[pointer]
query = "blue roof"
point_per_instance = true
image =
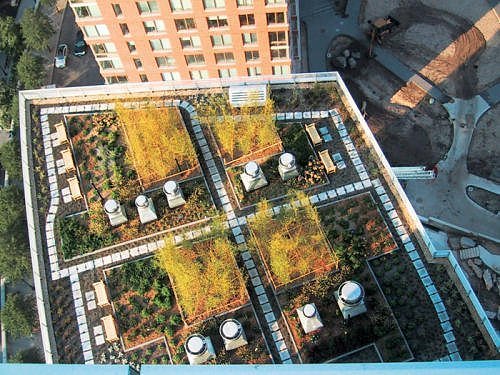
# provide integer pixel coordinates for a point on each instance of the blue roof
(61, 369)
(408, 368)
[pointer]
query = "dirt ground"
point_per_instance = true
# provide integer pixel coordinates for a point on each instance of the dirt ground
(410, 130)
(484, 198)
(484, 154)
(444, 40)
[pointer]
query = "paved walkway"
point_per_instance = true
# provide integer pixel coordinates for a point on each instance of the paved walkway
(445, 198)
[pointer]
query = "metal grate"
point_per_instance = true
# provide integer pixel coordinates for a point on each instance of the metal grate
(252, 95)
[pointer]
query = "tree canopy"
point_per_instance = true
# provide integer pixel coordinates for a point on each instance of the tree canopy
(10, 159)
(18, 315)
(30, 70)
(37, 29)
(10, 39)
(14, 260)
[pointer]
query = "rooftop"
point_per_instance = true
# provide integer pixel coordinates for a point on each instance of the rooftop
(128, 140)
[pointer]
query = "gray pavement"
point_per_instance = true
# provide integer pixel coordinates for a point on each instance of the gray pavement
(492, 95)
(445, 197)
(79, 71)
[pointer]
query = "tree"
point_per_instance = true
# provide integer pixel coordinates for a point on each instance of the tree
(15, 263)
(30, 70)
(10, 40)
(37, 29)
(18, 315)
(6, 94)
(10, 159)
(12, 209)
(30, 355)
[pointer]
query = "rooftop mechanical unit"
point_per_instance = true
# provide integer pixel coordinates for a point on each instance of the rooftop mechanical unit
(251, 95)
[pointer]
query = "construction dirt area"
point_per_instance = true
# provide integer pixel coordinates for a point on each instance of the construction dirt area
(454, 44)
(484, 153)
(410, 130)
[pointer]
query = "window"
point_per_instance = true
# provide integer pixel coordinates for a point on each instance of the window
(160, 44)
(279, 45)
(143, 77)
(93, 31)
(164, 61)
(217, 21)
(138, 63)
(252, 55)
(190, 42)
(244, 3)
(185, 24)
(221, 40)
(212, 4)
(178, 5)
(247, 19)
(226, 73)
(103, 49)
(153, 26)
(195, 59)
(279, 53)
(281, 70)
(131, 46)
(274, 2)
(147, 7)
(224, 58)
(117, 9)
(275, 18)
(171, 76)
(116, 79)
(110, 63)
(87, 10)
(249, 38)
(254, 71)
(124, 28)
(198, 74)
(277, 38)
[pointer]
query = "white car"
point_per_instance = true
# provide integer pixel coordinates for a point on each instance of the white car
(61, 55)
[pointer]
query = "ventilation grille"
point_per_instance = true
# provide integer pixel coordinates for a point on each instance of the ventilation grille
(242, 96)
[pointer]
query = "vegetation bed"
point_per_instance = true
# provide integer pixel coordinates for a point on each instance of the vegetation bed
(239, 132)
(253, 353)
(204, 275)
(470, 341)
(92, 231)
(143, 302)
(311, 170)
(291, 244)
(411, 305)
(337, 337)
(356, 229)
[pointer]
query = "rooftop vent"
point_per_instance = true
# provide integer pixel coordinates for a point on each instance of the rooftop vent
(115, 212)
(232, 333)
(350, 297)
(145, 208)
(199, 349)
(309, 318)
(252, 95)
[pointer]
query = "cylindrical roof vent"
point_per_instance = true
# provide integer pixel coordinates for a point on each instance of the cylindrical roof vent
(351, 293)
(287, 160)
(252, 169)
(196, 344)
(230, 329)
(171, 188)
(141, 201)
(111, 206)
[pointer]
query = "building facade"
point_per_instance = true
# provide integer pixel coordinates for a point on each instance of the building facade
(165, 40)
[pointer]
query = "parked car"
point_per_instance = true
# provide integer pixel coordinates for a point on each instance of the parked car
(80, 44)
(61, 55)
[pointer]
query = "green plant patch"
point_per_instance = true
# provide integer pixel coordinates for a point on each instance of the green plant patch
(144, 301)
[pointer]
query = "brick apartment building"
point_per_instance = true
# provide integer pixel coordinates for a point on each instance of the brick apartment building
(139, 41)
